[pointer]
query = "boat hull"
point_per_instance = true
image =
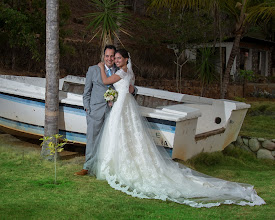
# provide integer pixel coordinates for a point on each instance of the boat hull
(185, 125)
(24, 116)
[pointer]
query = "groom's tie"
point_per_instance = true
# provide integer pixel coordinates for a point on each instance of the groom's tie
(109, 73)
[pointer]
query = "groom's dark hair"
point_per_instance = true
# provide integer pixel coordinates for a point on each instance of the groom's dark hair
(112, 47)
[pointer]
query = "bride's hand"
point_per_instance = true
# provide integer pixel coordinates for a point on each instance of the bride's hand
(101, 65)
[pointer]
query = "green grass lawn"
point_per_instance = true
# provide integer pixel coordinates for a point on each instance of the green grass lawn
(27, 191)
(260, 120)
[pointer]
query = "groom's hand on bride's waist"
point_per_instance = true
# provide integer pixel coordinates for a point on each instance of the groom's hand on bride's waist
(133, 90)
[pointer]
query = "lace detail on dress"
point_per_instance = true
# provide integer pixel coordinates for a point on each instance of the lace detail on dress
(121, 73)
(129, 160)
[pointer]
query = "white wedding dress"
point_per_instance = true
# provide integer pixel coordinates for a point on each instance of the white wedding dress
(129, 160)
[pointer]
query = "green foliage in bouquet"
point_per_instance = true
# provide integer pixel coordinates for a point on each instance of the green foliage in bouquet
(110, 95)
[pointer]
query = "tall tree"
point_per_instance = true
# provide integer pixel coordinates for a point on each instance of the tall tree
(20, 27)
(22, 30)
(52, 74)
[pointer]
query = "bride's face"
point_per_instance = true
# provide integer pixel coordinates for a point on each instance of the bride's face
(120, 61)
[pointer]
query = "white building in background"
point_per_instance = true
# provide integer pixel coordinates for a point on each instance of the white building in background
(254, 54)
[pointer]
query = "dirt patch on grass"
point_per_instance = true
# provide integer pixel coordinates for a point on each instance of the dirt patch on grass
(9, 141)
(21, 144)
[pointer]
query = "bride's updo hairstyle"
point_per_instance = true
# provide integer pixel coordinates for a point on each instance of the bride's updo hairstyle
(124, 53)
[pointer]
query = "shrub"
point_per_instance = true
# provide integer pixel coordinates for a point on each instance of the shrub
(239, 99)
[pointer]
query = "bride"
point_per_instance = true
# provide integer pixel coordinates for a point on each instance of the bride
(129, 160)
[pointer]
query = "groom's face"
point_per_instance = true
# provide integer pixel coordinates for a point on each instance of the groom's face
(109, 57)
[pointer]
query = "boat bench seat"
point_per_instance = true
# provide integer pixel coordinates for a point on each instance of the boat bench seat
(207, 134)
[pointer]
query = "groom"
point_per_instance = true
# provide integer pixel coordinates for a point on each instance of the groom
(95, 105)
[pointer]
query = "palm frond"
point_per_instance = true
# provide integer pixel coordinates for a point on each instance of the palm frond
(94, 35)
(105, 20)
(230, 6)
(125, 32)
(119, 39)
(264, 12)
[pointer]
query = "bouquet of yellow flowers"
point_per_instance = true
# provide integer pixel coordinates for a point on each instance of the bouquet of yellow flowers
(110, 96)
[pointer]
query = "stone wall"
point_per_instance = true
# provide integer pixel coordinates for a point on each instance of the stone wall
(262, 148)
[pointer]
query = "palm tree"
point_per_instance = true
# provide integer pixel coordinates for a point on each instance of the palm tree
(107, 20)
(52, 74)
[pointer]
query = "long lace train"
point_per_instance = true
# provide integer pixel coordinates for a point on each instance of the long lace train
(129, 160)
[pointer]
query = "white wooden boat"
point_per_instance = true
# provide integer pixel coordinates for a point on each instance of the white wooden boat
(186, 125)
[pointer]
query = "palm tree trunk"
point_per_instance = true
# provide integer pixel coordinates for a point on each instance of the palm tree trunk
(117, 42)
(239, 29)
(230, 62)
(52, 74)
(177, 74)
(13, 60)
(221, 54)
(215, 24)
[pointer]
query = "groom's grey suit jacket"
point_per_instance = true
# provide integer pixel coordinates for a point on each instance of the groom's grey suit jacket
(93, 99)
(97, 109)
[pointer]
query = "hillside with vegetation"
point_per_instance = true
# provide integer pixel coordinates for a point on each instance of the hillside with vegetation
(157, 38)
